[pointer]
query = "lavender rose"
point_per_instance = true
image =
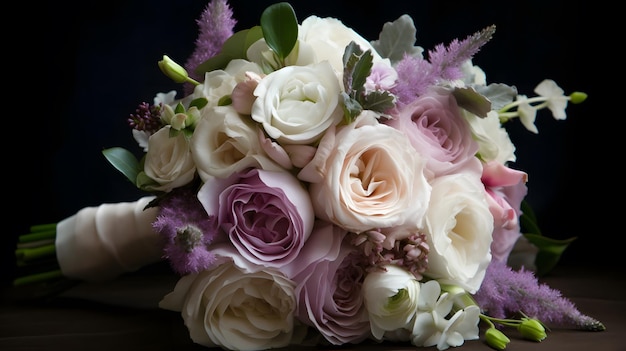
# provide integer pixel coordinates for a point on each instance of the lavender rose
(437, 130)
(267, 215)
(329, 273)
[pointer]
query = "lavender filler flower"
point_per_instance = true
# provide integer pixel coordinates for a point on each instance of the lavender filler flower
(505, 292)
(188, 231)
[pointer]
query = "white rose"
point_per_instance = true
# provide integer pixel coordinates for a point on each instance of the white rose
(168, 160)
(329, 37)
(458, 226)
(296, 104)
(494, 143)
(224, 142)
(391, 298)
(236, 306)
(368, 176)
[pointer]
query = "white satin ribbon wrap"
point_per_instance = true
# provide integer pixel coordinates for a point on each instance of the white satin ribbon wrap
(100, 243)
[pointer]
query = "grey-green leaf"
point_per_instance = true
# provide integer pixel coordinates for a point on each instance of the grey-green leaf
(398, 38)
(124, 161)
(280, 28)
(469, 99)
(499, 94)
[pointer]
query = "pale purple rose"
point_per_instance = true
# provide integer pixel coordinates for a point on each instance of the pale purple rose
(329, 274)
(267, 215)
(506, 188)
(437, 130)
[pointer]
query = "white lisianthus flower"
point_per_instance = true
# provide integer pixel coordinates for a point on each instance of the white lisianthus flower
(236, 305)
(494, 143)
(458, 226)
(391, 297)
(527, 113)
(431, 326)
(297, 104)
(220, 83)
(168, 161)
(224, 142)
(555, 98)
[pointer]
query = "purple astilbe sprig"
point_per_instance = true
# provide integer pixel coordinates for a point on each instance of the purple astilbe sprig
(216, 24)
(416, 74)
(187, 230)
(146, 118)
(505, 292)
(410, 253)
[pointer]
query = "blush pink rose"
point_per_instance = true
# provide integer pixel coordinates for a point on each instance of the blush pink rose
(506, 188)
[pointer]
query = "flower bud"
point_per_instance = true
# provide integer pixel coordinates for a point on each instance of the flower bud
(577, 97)
(532, 329)
(173, 70)
(496, 339)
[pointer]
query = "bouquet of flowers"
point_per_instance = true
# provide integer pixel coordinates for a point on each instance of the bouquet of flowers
(314, 187)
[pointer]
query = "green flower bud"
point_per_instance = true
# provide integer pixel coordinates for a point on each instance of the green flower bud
(496, 339)
(532, 329)
(577, 97)
(173, 70)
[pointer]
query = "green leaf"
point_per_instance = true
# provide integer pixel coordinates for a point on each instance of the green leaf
(234, 47)
(199, 103)
(550, 251)
(124, 161)
(528, 220)
(280, 28)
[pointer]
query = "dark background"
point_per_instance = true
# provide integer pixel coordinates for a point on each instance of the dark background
(90, 64)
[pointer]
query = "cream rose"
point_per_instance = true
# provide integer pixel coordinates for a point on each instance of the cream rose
(296, 104)
(224, 143)
(236, 306)
(168, 161)
(367, 176)
(458, 226)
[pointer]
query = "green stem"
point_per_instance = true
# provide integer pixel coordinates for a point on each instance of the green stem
(38, 277)
(32, 253)
(42, 235)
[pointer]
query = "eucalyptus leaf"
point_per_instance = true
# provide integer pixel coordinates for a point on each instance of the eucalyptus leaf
(472, 101)
(124, 161)
(396, 39)
(280, 28)
(499, 94)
